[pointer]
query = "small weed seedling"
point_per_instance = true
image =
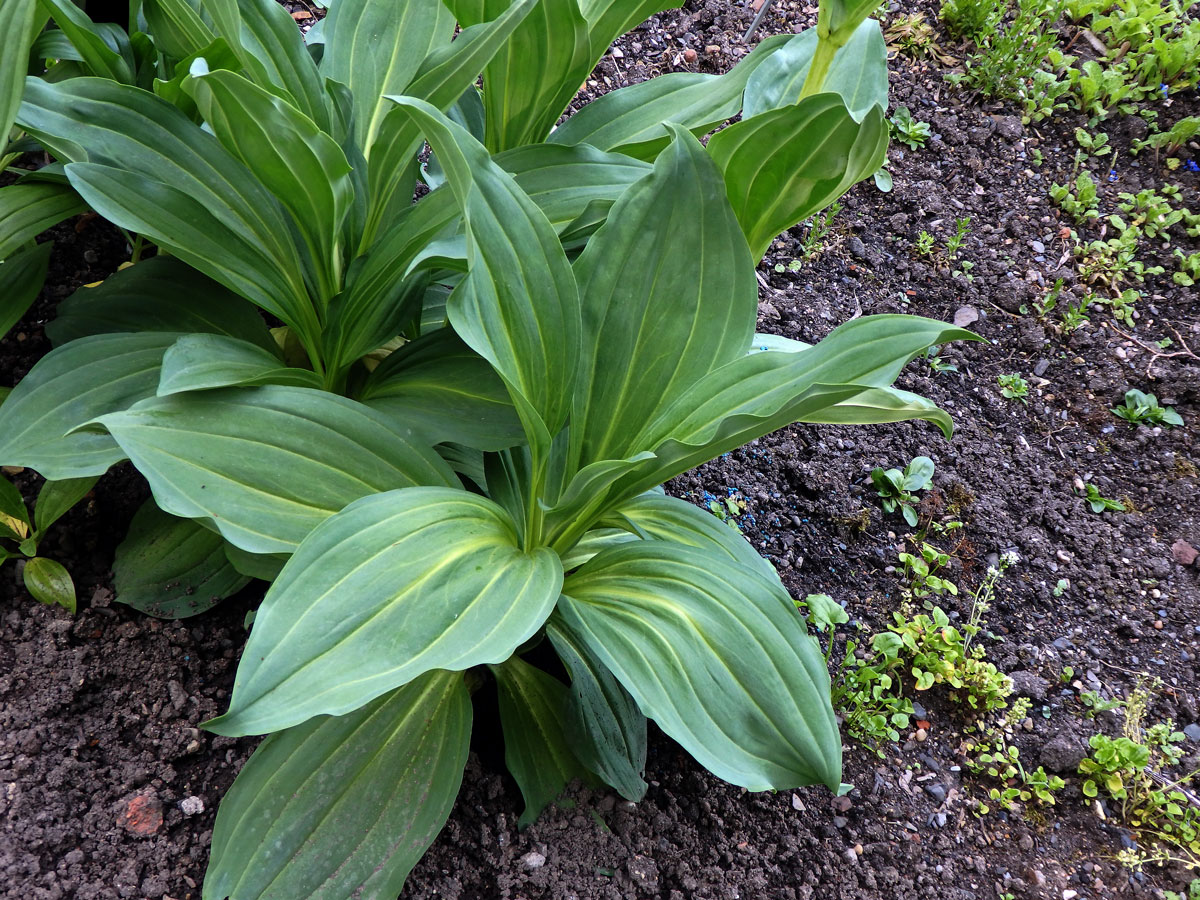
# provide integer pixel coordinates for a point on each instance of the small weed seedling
(908, 130)
(1013, 387)
(924, 244)
(896, 488)
(1132, 770)
(1081, 204)
(937, 365)
(962, 227)
(1100, 504)
(1142, 409)
(1094, 145)
(46, 580)
(994, 757)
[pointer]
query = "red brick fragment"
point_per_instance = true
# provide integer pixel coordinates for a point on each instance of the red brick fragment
(142, 814)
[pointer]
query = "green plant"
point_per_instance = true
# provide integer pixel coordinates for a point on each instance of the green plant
(1094, 704)
(924, 244)
(728, 510)
(1101, 504)
(962, 227)
(908, 130)
(1188, 272)
(451, 447)
(936, 653)
(1132, 769)
(819, 228)
(993, 756)
(46, 580)
(937, 365)
(895, 488)
(1014, 387)
(970, 19)
(1141, 408)
(920, 572)
(1083, 203)
(1173, 139)
(1095, 145)
(1012, 43)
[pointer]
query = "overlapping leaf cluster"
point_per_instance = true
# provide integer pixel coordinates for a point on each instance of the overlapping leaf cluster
(449, 449)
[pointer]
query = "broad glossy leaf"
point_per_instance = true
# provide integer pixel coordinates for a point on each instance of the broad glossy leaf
(70, 386)
(662, 518)
(877, 405)
(668, 293)
(29, 208)
(609, 730)
(22, 275)
(199, 362)
(858, 74)
(443, 77)
(268, 464)
(158, 294)
(177, 26)
(715, 653)
(50, 583)
(377, 48)
(630, 119)
(172, 568)
(300, 164)
(784, 165)
(530, 81)
(537, 749)
(57, 497)
(263, 566)
(846, 15)
(446, 391)
(562, 181)
(98, 57)
(175, 184)
(344, 807)
(22, 21)
(270, 47)
(393, 586)
(519, 306)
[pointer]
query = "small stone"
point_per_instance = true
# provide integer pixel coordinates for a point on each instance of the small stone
(840, 821)
(965, 315)
(1040, 369)
(936, 791)
(1063, 556)
(921, 734)
(1037, 246)
(1193, 732)
(850, 855)
(1062, 753)
(797, 803)
(1025, 843)
(142, 814)
(841, 804)
(191, 806)
(689, 55)
(1069, 894)
(1027, 684)
(856, 248)
(1184, 553)
(1036, 877)
(533, 860)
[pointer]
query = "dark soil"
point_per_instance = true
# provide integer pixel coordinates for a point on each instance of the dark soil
(108, 789)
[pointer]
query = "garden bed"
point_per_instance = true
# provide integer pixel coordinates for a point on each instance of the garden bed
(109, 789)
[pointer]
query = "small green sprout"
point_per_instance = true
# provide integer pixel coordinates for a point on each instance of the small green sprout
(1143, 409)
(896, 488)
(908, 130)
(1100, 504)
(1014, 387)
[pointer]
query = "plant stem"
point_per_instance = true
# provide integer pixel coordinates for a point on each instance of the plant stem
(819, 69)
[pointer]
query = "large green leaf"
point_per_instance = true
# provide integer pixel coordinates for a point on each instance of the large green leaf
(268, 43)
(519, 306)
(445, 391)
(28, 209)
(22, 21)
(158, 294)
(152, 170)
(201, 362)
(171, 567)
(267, 464)
(530, 81)
(69, 387)
(344, 807)
(97, 56)
(394, 585)
(784, 165)
(563, 181)
(537, 749)
(376, 48)
(21, 278)
(177, 26)
(630, 119)
(715, 653)
(608, 729)
(300, 164)
(858, 74)
(443, 77)
(668, 294)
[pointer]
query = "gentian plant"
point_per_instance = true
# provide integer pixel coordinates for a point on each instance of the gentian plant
(450, 449)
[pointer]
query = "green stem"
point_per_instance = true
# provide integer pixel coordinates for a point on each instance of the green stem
(138, 245)
(818, 70)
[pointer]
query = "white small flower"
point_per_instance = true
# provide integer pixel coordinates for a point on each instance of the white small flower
(992, 572)
(1011, 558)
